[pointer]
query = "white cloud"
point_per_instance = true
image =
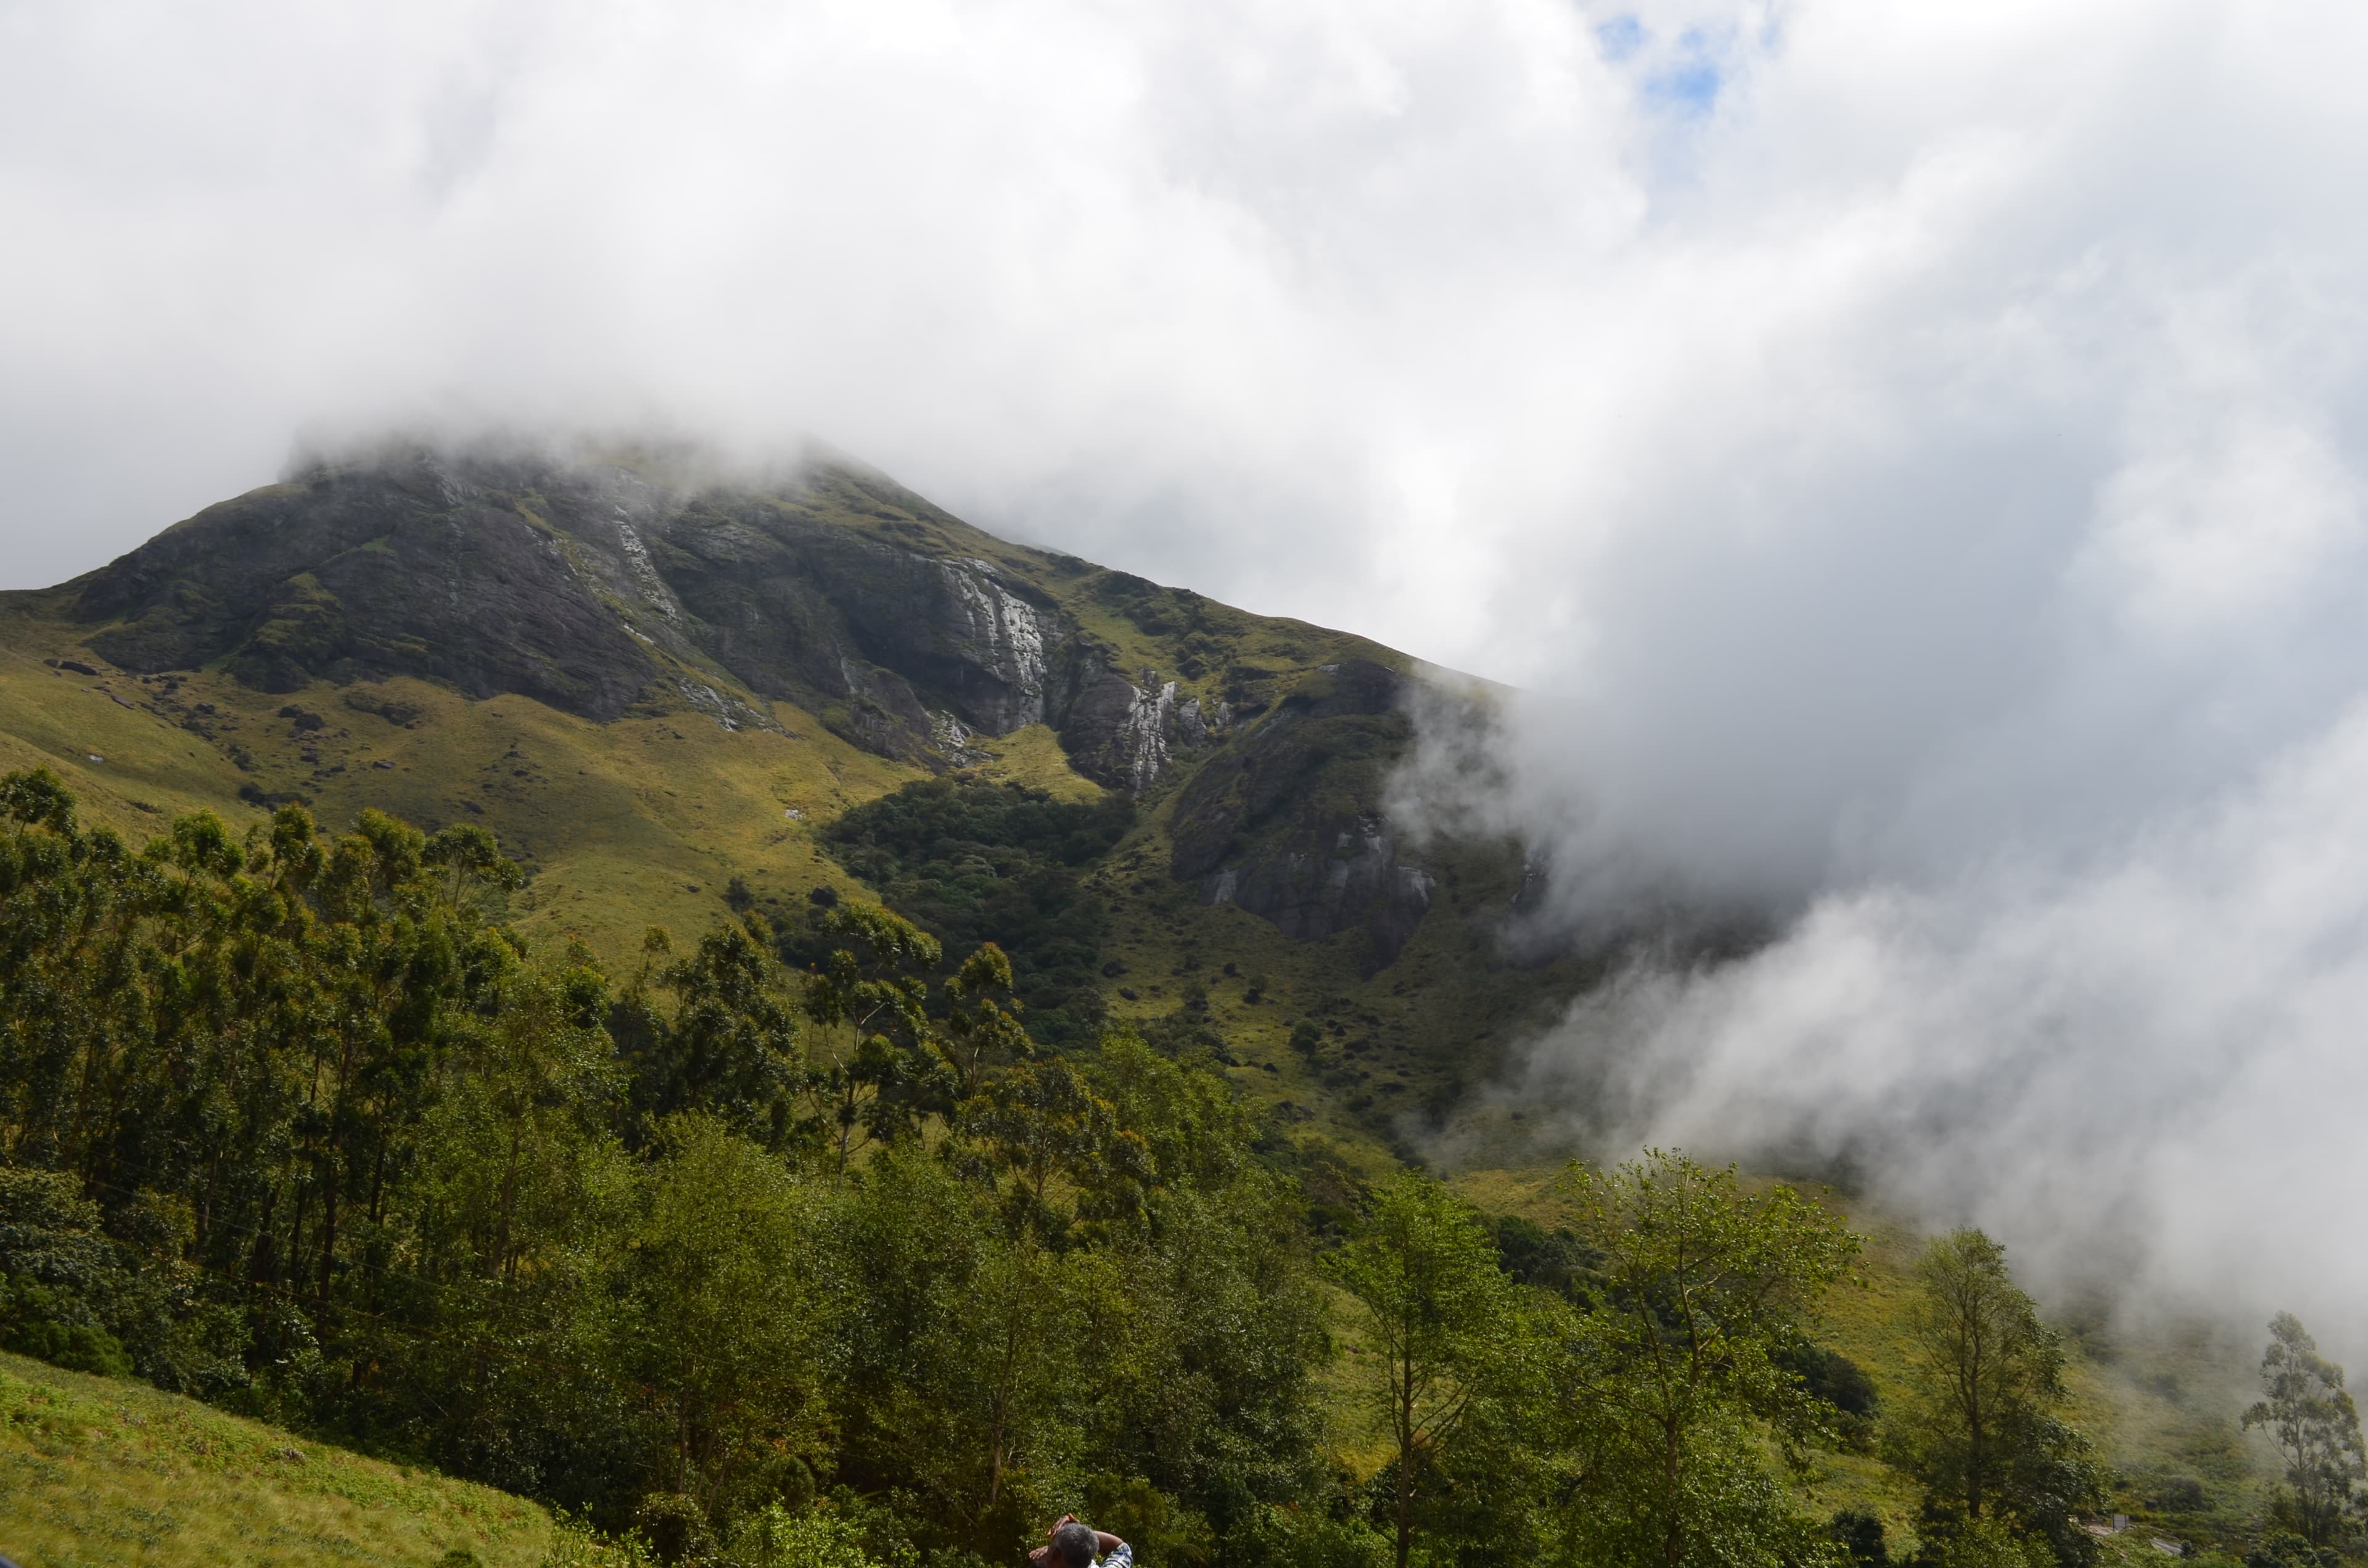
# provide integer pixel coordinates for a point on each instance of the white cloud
(1890, 442)
(2146, 1073)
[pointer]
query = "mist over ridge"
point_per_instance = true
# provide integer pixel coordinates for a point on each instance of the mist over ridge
(1909, 465)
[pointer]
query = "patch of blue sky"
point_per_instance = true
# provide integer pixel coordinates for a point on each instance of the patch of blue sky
(1689, 83)
(1620, 37)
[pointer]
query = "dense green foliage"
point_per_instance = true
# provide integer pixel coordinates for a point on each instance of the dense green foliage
(972, 862)
(1449, 1326)
(1628, 1392)
(2001, 1468)
(829, 1263)
(293, 1125)
(1698, 1300)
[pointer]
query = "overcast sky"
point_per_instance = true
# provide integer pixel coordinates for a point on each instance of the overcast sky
(1468, 324)
(1912, 454)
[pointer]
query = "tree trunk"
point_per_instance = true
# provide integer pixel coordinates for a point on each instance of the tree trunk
(328, 1227)
(1406, 1463)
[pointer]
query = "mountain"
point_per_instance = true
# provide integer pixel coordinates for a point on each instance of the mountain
(662, 683)
(678, 696)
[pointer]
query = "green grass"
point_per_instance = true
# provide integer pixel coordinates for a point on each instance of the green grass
(97, 1472)
(645, 821)
(620, 826)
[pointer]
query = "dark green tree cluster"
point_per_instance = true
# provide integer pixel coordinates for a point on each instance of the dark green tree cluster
(1644, 1385)
(834, 1262)
(973, 862)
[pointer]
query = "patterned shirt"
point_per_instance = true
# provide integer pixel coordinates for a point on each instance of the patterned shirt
(1120, 1556)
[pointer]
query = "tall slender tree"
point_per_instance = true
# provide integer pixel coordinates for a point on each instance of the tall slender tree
(1679, 1373)
(1985, 1434)
(2316, 1425)
(1442, 1316)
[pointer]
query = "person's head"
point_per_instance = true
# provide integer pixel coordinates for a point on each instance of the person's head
(1074, 1546)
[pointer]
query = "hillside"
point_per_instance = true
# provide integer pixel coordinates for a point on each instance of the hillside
(650, 681)
(290, 1125)
(100, 1472)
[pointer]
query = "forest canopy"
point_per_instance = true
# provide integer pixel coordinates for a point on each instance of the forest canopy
(972, 862)
(851, 1260)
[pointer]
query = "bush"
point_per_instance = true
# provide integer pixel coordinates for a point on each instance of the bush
(774, 1537)
(1982, 1543)
(1860, 1534)
(576, 1545)
(972, 862)
(60, 1275)
(50, 1325)
(675, 1526)
(1290, 1537)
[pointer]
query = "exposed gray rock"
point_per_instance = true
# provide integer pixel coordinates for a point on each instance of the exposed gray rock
(1315, 893)
(400, 571)
(1285, 822)
(580, 584)
(1126, 737)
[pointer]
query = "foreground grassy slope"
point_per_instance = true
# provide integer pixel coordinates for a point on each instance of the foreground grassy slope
(96, 1472)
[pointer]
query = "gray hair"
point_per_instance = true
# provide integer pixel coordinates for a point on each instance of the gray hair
(1075, 1545)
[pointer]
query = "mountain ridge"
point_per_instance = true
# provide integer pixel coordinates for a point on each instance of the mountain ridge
(656, 682)
(580, 583)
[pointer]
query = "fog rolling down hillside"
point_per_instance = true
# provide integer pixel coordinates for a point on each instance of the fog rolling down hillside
(661, 683)
(679, 695)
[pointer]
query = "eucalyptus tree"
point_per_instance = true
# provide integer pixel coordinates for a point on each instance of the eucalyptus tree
(1445, 1322)
(1696, 1297)
(1986, 1432)
(2315, 1424)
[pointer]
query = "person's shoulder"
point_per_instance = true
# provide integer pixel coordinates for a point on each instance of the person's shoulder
(1120, 1556)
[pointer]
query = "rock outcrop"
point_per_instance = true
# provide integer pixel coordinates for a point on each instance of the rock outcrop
(1284, 823)
(1127, 736)
(404, 570)
(581, 583)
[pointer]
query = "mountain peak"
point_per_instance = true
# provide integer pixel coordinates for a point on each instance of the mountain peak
(595, 583)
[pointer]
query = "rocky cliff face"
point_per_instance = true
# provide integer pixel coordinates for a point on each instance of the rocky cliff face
(1283, 822)
(409, 569)
(598, 586)
(582, 584)
(1128, 736)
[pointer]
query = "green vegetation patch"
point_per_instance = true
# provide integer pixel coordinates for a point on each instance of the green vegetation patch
(97, 1472)
(973, 862)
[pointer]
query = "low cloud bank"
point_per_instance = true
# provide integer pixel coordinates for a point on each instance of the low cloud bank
(2146, 1067)
(1916, 459)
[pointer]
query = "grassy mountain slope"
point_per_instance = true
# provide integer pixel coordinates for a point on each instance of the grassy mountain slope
(100, 1472)
(646, 817)
(1354, 981)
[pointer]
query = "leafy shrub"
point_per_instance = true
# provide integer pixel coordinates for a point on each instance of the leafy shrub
(53, 1326)
(774, 1537)
(1860, 1534)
